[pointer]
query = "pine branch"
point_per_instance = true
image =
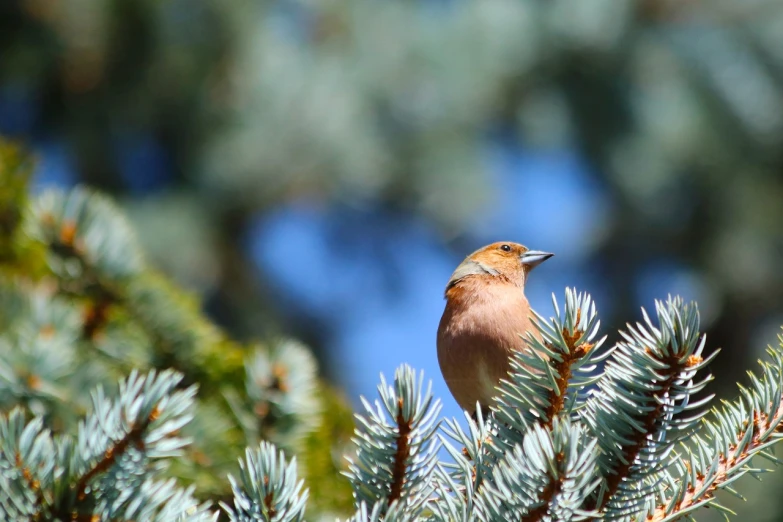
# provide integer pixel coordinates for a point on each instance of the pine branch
(402, 455)
(135, 437)
(90, 240)
(637, 411)
(473, 455)
(42, 478)
(552, 377)
(562, 369)
(552, 450)
(117, 443)
(268, 488)
(363, 514)
(26, 466)
(281, 386)
(738, 432)
(37, 356)
(457, 482)
(137, 319)
(96, 316)
(27, 475)
(673, 367)
(381, 513)
(548, 477)
(95, 258)
(166, 501)
(551, 489)
(396, 445)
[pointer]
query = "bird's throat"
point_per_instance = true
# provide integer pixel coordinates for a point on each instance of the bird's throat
(482, 287)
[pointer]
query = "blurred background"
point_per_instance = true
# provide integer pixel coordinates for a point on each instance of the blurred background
(318, 169)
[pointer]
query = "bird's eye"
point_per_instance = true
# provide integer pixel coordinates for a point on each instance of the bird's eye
(505, 248)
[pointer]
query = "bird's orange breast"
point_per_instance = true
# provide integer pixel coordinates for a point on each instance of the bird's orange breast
(483, 323)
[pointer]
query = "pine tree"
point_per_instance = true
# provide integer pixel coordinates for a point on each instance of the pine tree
(581, 430)
(80, 310)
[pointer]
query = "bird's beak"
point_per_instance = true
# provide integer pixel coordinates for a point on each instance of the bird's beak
(533, 258)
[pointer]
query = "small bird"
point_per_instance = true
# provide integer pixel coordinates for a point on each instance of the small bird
(487, 318)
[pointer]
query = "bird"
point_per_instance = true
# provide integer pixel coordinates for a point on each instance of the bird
(486, 319)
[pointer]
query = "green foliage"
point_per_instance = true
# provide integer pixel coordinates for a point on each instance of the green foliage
(522, 484)
(407, 94)
(649, 382)
(579, 431)
(334, 434)
(111, 468)
(16, 170)
(632, 442)
(91, 311)
(266, 476)
(396, 446)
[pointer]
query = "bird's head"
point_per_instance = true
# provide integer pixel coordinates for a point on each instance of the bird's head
(506, 261)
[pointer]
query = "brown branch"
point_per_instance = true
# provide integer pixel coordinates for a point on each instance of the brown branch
(66, 242)
(759, 425)
(95, 316)
(134, 436)
(640, 438)
(32, 483)
(557, 396)
(269, 501)
(99, 294)
(473, 470)
(550, 491)
(401, 456)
